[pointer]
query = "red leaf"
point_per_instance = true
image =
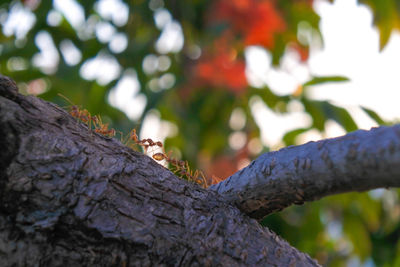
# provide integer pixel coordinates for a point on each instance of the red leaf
(303, 51)
(256, 21)
(220, 67)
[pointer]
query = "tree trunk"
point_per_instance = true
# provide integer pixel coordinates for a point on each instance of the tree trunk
(71, 197)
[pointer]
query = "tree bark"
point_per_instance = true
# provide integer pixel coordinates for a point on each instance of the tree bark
(359, 161)
(71, 197)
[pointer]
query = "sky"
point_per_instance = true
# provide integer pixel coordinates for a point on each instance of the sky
(351, 48)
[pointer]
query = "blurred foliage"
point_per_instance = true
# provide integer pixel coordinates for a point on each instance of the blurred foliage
(195, 80)
(386, 17)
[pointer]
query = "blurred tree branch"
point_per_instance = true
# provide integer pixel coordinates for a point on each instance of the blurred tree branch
(359, 161)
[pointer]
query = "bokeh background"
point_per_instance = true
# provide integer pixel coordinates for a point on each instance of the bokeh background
(220, 82)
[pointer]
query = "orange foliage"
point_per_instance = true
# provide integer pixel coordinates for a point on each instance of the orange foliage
(256, 20)
(221, 67)
(224, 166)
(303, 51)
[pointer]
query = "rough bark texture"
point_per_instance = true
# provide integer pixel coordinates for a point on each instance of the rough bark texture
(359, 161)
(69, 197)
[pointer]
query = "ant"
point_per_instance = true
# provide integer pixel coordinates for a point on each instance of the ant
(103, 128)
(145, 143)
(179, 167)
(82, 115)
(182, 168)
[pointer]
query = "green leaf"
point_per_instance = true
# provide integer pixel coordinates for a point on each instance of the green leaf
(356, 231)
(321, 111)
(289, 137)
(373, 115)
(386, 18)
(340, 115)
(326, 79)
(314, 109)
(273, 101)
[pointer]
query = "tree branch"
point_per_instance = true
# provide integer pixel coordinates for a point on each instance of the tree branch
(359, 161)
(71, 197)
